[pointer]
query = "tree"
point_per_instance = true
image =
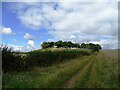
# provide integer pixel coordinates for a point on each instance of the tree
(45, 45)
(91, 46)
(70, 44)
(59, 44)
(65, 44)
(83, 45)
(51, 44)
(97, 47)
(76, 45)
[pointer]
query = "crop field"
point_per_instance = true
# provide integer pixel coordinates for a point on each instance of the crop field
(94, 71)
(111, 53)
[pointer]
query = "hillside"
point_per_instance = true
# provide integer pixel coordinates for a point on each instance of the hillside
(94, 71)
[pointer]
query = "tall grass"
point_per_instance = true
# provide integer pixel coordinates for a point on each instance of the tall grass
(103, 74)
(48, 57)
(60, 74)
(10, 62)
(84, 76)
(17, 80)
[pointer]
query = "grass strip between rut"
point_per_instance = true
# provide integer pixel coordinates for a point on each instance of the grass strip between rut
(78, 79)
(70, 83)
(84, 75)
(95, 79)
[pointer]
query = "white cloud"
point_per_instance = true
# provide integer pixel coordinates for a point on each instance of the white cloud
(6, 30)
(30, 15)
(49, 40)
(78, 22)
(15, 40)
(87, 23)
(60, 0)
(106, 44)
(15, 47)
(31, 42)
(72, 37)
(88, 20)
(28, 36)
(22, 48)
(31, 18)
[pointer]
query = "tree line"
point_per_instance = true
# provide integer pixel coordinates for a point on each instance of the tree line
(69, 44)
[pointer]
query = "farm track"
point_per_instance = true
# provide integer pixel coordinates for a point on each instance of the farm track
(62, 73)
(97, 73)
(80, 74)
(84, 75)
(95, 80)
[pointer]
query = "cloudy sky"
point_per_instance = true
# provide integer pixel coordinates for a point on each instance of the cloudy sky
(25, 25)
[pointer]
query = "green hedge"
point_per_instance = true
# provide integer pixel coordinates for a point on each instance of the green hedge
(12, 61)
(48, 57)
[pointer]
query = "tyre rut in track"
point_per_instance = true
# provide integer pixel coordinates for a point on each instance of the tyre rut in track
(71, 83)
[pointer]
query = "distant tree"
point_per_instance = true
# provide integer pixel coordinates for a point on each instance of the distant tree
(83, 45)
(65, 44)
(45, 45)
(91, 46)
(76, 45)
(51, 44)
(70, 44)
(59, 44)
(97, 47)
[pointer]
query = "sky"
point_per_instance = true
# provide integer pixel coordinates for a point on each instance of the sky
(25, 25)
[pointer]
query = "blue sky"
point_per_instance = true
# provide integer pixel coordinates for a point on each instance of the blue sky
(10, 20)
(28, 24)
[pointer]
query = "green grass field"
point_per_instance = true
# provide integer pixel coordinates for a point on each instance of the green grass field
(94, 71)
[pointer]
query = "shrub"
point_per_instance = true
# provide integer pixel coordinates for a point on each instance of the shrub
(48, 57)
(10, 62)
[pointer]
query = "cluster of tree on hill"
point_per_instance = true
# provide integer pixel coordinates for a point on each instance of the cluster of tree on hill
(69, 44)
(91, 46)
(60, 44)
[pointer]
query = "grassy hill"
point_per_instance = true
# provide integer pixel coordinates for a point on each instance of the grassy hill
(93, 71)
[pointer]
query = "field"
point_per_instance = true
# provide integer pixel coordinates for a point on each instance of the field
(99, 70)
(111, 53)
